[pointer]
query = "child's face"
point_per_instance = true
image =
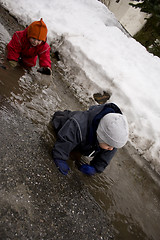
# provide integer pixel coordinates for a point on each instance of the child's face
(105, 146)
(35, 42)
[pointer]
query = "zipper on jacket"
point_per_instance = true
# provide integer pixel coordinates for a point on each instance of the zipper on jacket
(91, 154)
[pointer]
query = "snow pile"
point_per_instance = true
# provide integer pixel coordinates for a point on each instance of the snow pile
(102, 58)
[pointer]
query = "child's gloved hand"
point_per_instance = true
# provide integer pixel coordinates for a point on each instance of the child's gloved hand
(87, 169)
(13, 63)
(62, 166)
(44, 70)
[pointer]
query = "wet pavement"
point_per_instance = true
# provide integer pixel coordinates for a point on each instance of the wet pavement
(37, 202)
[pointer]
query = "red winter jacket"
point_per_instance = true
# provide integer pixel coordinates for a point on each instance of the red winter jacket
(19, 46)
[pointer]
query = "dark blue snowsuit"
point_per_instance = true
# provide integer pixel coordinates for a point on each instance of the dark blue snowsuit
(76, 130)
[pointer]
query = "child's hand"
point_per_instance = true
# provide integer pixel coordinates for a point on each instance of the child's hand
(87, 169)
(45, 70)
(62, 166)
(13, 63)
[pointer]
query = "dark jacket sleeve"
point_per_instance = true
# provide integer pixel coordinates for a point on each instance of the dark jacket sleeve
(102, 159)
(69, 136)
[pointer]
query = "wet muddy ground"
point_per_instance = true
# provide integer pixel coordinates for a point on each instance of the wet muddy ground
(37, 202)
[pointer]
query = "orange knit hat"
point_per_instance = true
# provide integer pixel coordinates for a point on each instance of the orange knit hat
(37, 30)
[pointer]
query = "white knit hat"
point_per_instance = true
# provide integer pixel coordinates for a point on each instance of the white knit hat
(113, 130)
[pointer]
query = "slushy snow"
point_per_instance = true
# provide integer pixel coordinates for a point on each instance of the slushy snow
(102, 57)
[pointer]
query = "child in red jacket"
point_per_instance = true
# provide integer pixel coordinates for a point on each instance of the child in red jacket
(25, 46)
